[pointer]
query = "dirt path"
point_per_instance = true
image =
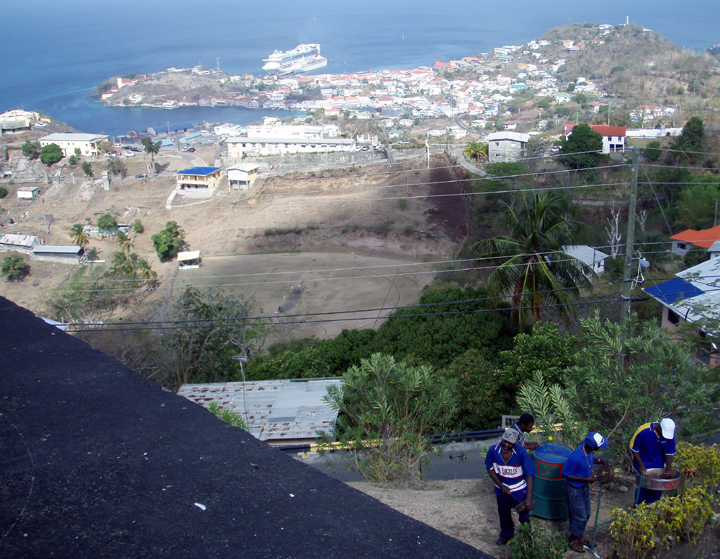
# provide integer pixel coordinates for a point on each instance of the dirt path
(465, 509)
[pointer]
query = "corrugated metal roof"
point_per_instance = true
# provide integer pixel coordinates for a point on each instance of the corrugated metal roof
(199, 171)
(670, 291)
(71, 249)
(585, 253)
(278, 410)
(18, 240)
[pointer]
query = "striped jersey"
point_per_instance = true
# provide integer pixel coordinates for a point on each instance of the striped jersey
(512, 473)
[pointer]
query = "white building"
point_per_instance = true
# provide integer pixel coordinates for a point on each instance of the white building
(68, 142)
(27, 192)
(243, 176)
(241, 146)
(589, 256)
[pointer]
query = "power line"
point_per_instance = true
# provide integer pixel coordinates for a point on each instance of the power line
(331, 270)
(356, 311)
(323, 321)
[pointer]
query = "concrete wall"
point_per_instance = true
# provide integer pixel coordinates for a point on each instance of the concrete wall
(313, 161)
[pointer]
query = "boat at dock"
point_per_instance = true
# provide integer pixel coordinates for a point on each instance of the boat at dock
(303, 58)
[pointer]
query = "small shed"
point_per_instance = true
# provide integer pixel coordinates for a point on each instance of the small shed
(28, 192)
(590, 256)
(188, 260)
(243, 176)
(63, 254)
(19, 243)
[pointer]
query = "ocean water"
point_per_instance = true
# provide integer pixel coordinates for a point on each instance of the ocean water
(54, 54)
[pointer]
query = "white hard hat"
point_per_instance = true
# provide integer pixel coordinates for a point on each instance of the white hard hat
(667, 426)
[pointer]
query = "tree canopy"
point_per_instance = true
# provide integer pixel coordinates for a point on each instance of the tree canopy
(583, 148)
(688, 147)
(14, 268)
(107, 224)
(168, 242)
(31, 149)
(51, 154)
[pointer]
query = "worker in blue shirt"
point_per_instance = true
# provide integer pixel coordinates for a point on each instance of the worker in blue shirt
(653, 446)
(512, 470)
(578, 475)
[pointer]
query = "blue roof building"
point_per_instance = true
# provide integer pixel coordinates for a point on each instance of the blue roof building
(198, 182)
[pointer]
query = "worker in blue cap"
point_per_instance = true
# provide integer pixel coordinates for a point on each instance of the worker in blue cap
(578, 475)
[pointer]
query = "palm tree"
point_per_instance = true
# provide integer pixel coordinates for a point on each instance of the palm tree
(144, 271)
(122, 264)
(152, 148)
(78, 235)
(475, 150)
(532, 266)
(124, 241)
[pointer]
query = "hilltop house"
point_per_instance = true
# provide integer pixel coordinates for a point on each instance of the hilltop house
(705, 238)
(89, 144)
(506, 146)
(198, 182)
(613, 136)
(242, 176)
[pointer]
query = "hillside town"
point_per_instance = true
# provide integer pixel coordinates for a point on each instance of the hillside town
(487, 270)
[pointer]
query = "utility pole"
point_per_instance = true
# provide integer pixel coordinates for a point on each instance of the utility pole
(716, 201)
(630, 241)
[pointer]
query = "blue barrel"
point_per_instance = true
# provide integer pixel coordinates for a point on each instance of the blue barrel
(548, 483)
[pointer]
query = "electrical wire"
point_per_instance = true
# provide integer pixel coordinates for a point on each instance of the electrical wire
(323, 321)
(344, 269)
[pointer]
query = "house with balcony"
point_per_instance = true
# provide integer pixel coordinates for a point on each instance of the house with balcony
(198, 182)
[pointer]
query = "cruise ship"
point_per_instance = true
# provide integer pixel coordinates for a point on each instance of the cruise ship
(302, 58)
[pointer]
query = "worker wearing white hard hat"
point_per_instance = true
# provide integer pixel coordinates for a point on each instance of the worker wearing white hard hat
(653, 446)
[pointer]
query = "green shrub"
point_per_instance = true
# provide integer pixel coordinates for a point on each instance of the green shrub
(227, 415)
(14, 268)
(531, 541)
(700, 465)
(647, 529)
(481, 395)
(3, 192)
(386, 410)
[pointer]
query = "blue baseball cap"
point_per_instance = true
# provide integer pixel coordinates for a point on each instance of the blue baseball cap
(596, 440)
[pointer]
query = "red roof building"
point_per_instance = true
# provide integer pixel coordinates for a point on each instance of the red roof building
(613, 136)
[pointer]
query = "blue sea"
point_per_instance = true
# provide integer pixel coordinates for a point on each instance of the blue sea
(55, 53)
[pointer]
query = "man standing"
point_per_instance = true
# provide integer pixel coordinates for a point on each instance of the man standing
(525, 425)
(577, 472)
(653, 446)
(510, 467)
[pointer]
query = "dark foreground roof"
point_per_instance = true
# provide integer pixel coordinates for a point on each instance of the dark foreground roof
(97, 461)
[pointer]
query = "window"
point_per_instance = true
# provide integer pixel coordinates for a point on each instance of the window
(673, 318)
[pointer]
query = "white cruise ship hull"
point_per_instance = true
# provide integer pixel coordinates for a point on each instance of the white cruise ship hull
(302, 58)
